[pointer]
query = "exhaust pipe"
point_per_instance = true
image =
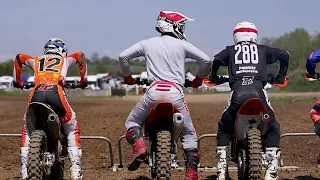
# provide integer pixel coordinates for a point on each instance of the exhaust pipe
(54, 126)
(265, 117)
(52, 117)
(177, 125)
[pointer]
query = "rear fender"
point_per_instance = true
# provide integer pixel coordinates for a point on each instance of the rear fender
(252, 114)
(160, 118)
(41, 116)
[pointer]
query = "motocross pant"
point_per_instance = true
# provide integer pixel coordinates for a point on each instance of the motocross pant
(315, 112)
(55, 97)
(169, 92)
(238, 96)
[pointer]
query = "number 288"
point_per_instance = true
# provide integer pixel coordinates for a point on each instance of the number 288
(249, 54)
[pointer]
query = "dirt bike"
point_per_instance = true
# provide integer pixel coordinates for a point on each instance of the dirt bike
(163, 128)
(48, 144)
(252, 121)
(308, 78)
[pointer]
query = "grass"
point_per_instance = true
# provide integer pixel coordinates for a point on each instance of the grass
(14, 93)
(292, 99)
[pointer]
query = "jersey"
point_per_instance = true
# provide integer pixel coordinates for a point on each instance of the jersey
(312, 60)
(249, 61)
(49, 69)
(165, 57)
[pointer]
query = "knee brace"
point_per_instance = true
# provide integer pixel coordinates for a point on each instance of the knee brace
(133, 134)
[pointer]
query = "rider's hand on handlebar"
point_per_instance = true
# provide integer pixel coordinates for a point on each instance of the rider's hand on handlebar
(196, 82)
(315, 76)
(18, 84)
(83, 83)
(317, 127)
(279, 79)
(215, 79)
(129, 80)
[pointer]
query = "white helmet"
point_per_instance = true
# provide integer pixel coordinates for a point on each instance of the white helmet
(245, 31)
(55, 46)
(173, 23)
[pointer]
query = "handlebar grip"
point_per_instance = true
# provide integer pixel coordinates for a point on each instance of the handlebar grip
(71, 85)
(138, 81)
(28, 85)
(187, 83)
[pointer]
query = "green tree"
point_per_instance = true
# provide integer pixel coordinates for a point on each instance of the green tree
(299, 43)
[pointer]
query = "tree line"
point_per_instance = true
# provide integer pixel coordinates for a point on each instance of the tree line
(298, 42)
(96, 64)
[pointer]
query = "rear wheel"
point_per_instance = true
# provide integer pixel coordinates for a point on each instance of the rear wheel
(35, 157)
(163, 155)
(254, 154)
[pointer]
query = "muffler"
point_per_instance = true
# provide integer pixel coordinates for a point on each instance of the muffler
(265, 117)
(53, 126)
(177, 125)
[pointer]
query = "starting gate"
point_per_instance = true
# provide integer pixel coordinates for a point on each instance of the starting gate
(81, 137)
(203, 168)
(208, 168)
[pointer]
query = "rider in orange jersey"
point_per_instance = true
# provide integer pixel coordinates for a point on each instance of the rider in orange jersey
(50, 71)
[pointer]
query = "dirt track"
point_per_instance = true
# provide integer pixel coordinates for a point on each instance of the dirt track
(106, 117)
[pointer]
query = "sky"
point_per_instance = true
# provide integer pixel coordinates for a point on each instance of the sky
(110, 26)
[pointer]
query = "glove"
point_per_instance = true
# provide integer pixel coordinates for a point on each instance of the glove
(83, 83)
(213, 78)
(129, 80)
(279, 79)
(196, 82)
(317, 127)
(216, 79)
(18, 84)
(315, 76)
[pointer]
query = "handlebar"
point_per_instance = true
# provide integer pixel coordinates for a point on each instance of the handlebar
(223, 80)
(68, 85)
(138, 81)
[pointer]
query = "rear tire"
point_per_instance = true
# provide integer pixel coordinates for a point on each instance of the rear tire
(163, 155)
(38, 145)
(254, 154)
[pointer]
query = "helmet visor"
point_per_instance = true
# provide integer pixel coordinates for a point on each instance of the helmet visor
(54, 43)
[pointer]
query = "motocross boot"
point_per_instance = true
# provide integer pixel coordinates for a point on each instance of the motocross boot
(174, 157)
(24, 162)
(192, 157)
(75, 154)
(273, 160)
(222, 163)
(139, 153)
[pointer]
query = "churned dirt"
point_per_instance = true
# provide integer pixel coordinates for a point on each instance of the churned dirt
(106, 117)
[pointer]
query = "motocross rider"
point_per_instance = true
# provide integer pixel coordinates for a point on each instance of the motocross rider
(247, 66)
(312, 60)
(165, 57)
(50, 71)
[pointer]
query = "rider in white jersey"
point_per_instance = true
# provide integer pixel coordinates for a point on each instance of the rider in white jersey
(165, 58)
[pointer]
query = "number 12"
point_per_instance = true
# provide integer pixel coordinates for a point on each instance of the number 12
(49, 67)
